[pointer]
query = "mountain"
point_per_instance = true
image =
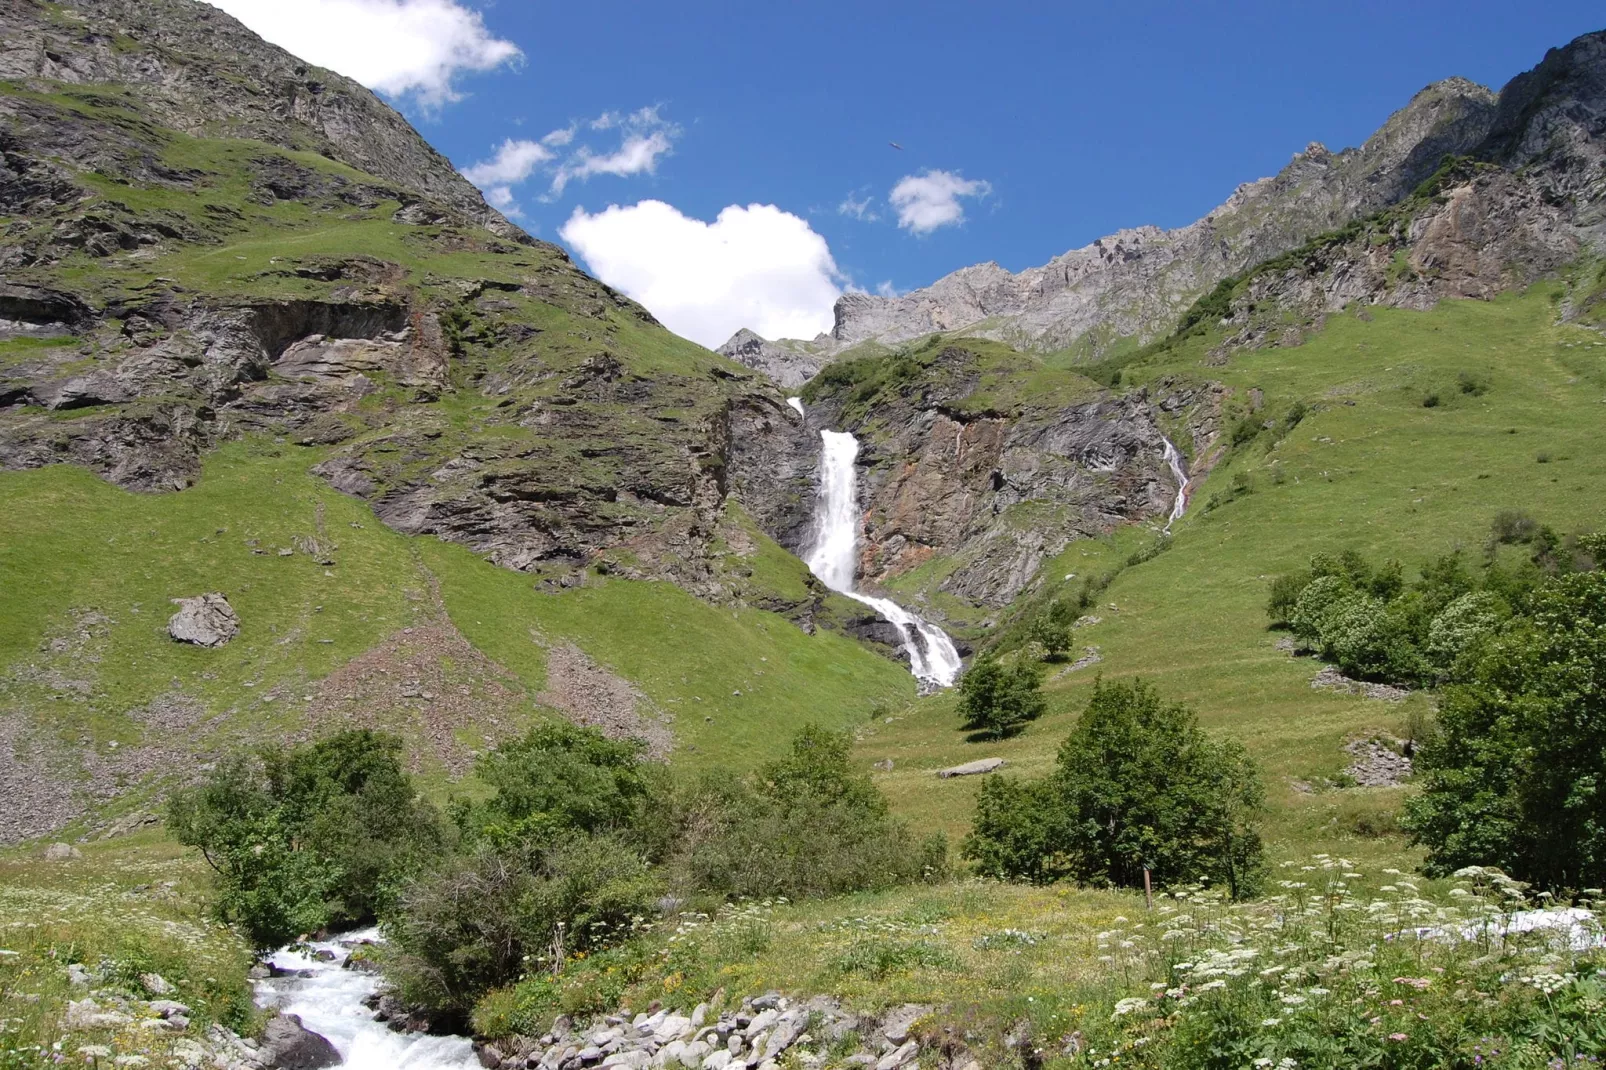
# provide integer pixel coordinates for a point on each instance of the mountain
(1133, 285)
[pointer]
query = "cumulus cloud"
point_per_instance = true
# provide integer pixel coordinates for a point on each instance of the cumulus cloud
(403, 48)
(757, 267)
(931, 199)
(861, 208)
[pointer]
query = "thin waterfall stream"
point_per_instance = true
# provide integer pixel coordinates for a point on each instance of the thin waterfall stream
(834, 558)
(1179, 472)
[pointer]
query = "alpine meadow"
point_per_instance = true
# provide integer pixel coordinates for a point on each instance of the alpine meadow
(1188, 653)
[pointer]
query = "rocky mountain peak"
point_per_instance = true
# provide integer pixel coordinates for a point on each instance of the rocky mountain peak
(173, 52)
(1137, 281)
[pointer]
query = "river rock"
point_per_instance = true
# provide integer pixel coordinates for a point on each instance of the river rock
(289, 1045)
(205, 620)
(975, 768)
(61, 852)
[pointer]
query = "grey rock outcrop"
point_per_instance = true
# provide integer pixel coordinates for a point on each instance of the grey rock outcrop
(290, 103)
(205, 620)
(975, 768)
(289, 1045)
(789, 363)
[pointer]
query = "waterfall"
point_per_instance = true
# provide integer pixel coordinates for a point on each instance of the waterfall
(1173, 457)
(797, 403)
(834, 558)
(329, 1001)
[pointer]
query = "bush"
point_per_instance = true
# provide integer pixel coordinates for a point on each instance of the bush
(1137, 784)
(805, 825)
(1511, 778)
(999, 701)
(495, 915)
(301, 839)
(560, 778)
(1460, 627)
(1285, 592)
(1054, 636)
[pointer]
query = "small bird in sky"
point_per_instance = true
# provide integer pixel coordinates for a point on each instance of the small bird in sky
(895, 145)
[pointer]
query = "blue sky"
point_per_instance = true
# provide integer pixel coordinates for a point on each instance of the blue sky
(1027, 129)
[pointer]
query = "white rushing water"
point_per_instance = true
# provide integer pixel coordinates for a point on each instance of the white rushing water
(834, 558)
(330, 1002)
(797, 403)
(1173, 457)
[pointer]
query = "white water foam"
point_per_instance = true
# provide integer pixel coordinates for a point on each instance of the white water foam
(1173, 457)
(834, 558)
(329, 1002)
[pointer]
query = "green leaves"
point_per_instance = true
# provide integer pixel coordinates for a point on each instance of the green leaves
(998, 700)
(310, 836)
(1137, 785)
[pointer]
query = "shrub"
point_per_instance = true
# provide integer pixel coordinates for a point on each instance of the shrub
(1510, 780)
(495, 915)
(1513, 526)
(1472, 384)
(560, 777)
(1460, 627)
(308, 837)
(1137, 784)
(998, 700)
(1052, 635)
(1285, 592)
(805, 825)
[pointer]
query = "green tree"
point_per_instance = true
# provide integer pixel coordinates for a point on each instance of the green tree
(998, 700)
(1052, 628)
(308, 837)
(1137, 784)
(1514, 776)
(560, 778)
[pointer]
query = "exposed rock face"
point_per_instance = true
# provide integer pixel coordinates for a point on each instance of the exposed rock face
(1002, 491)
(205, 620)
(790, 363)
(181, 76)
(1137, 282)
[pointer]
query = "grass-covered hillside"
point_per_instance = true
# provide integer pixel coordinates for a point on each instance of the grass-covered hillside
(1517, 404)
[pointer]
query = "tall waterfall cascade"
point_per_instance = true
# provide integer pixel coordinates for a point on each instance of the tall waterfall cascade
(834, 558)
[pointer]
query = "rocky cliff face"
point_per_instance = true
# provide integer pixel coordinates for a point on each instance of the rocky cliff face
(198, 71)
(1530, 201)
(204, 237)
(992, 485)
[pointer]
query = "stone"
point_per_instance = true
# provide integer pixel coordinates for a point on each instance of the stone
(900, 1056)
(168, 1008)
(61, 852)
(288, 1045)
(204, 620)
(719, 1060)
(975, 768)
(79, 977)
(156, 984)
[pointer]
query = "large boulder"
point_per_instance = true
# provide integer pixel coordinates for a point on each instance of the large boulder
(289, 1045)
(205, 620)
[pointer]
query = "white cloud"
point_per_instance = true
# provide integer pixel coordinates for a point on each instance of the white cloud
(404, 48)
(858, 208)
(645, 136)
(515, 161)
(637, 154)
(756, 267)
(931, 199)
(886, 289)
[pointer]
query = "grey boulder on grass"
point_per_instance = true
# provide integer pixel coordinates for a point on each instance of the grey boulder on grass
(205, 620)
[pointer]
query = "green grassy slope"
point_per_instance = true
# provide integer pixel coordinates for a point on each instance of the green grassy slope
(1370, 468)
(71, 544)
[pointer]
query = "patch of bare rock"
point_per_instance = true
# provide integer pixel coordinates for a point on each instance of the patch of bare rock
(589, 694)
(759, 1035)
(205, 620)
(975, 768)
(1379, 761)
(1330, 679)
